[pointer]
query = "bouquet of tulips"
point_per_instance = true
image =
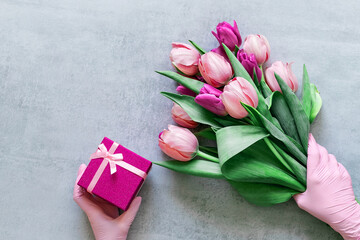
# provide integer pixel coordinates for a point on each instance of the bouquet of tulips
(259, 126)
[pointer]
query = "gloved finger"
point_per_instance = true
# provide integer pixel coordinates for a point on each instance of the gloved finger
(83, 198)
(333, 164)
(128, 217)
(324, 158)
(79, 191)
(313, 156)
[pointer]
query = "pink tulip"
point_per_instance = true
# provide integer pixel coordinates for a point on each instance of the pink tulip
(185, 58)
(215, 69)
(178, 143)
(181, 117)
(285, 72)
(236, 91)
(259, 46)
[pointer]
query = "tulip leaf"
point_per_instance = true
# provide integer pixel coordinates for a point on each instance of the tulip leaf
(194, 110)
(200, 50)
(294, 149)
(306, 92)
(240, 71)
(301, 119)
(244, 157)
(238, 68)
(209, 150)
(207, 133)
(316, 102)
(265, 88)
(298, 169)
(200, 168)
(281, 112)
(192, 84)
(229, 121)
(263, 194)
(236, 50)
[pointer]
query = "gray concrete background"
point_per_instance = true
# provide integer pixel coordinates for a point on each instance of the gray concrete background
(72, 72)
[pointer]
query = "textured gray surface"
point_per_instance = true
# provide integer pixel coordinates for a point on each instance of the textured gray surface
(72, 72)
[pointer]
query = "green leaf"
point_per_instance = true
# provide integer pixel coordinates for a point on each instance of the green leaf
(200, 168)
(201, 51)
(209, 150)
(229, 121)
(244, 158)
(265, 88)
(306, 92)
(278, 134)
(281, 111)
(207, 133)
(297, 111)
(316, 102)
(298, 169)
(236, 50)
(240, 71)
(194, 110)
(262, 194)
(192, 84)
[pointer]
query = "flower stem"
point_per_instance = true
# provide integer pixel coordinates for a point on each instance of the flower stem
(277, 154)
(208, 157)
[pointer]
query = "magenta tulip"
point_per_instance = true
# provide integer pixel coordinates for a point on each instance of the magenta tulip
(185, 91)
(285, 72)
(227, 34)
(259, 46)
(185, 58)
(182, 118)
(215, 69)
(209, 99)
(236, 91)
(249, 63)
(178, 143)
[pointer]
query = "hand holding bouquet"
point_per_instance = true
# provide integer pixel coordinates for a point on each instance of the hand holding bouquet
(260, 128)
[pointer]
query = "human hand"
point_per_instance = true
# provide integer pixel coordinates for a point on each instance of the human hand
(103, 216)
(329, 195)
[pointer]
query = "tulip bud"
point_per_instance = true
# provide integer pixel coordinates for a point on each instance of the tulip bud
(185, 58)
(249, 63)
(215, 69)
(178, 143)
(285, 72)
(259, 46)
(185, 91)
(209, 99)
(227, 34)
(181, 117)
(236, 91)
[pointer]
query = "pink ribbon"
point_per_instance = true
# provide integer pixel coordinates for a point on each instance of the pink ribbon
(109, 157)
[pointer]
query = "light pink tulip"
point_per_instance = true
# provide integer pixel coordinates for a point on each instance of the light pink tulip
(236, 91)
(178, 143)
(185, 58)
(215, 69)
(181, 117)
(259, 46)
(285, 72)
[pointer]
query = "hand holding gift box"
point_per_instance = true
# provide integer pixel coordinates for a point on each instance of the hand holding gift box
(115, 174)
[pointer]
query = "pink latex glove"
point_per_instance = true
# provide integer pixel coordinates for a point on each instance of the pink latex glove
(104, 217)
(329, 195)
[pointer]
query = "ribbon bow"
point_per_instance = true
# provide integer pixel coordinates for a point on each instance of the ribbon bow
(113, 159)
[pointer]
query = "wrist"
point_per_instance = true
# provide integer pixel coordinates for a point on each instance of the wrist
(349, 227)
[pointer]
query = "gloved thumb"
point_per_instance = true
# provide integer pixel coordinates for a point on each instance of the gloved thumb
(128, 216)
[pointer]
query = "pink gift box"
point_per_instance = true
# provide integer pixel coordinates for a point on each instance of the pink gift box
(121, 187)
